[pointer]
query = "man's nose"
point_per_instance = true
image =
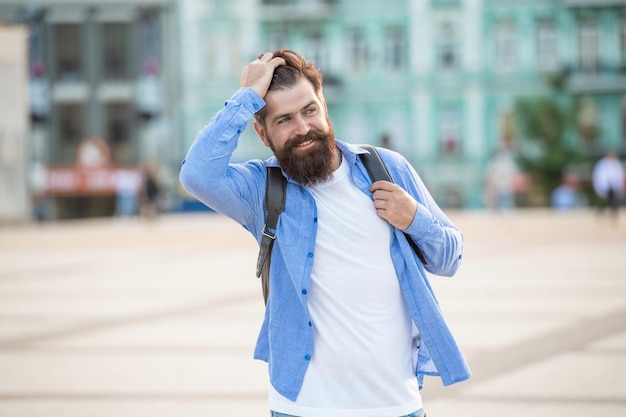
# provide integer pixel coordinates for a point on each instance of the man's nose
(302, 126)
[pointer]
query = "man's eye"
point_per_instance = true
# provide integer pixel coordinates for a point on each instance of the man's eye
(310, 110)
(283, 121)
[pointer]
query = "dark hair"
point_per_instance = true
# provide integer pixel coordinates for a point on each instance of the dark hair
(288, 75)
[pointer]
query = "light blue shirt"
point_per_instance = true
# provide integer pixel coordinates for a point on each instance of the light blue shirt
(286, 340)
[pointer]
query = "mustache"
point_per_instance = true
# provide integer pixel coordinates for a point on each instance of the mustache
(311, 135)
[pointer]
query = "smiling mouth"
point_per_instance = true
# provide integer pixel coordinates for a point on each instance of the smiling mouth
(305, 143)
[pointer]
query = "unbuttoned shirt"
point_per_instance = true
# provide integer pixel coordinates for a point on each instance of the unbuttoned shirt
(285, 340)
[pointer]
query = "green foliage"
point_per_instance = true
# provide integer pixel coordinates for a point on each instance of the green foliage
(543, 123)
(541, 119)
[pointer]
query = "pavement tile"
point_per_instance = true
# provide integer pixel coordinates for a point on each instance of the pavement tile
(105, 317)
(581, 376)
(121, 373)
(139, 406)
(522, 408)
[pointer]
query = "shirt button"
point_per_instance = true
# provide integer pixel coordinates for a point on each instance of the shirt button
(310, 324)
(238, 131)
(309, 255)
(256, 106)
(304, 291)
(314, 219)
(307, 357)
(225, 103)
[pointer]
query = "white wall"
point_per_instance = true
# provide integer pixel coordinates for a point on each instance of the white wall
(14, 120)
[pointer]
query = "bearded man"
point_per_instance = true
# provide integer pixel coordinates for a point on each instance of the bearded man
(351, 324)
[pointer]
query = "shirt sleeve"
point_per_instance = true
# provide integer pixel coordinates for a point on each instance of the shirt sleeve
(439, 239)
(206, 172)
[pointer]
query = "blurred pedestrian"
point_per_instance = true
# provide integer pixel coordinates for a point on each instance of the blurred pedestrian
(127, 187)
(565, 196)
(150, 192)
(349, 329)
(608, 183)
(501, 181)
(386, 142)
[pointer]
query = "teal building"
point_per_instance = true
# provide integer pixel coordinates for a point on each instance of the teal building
(434, 79)
(437, 80)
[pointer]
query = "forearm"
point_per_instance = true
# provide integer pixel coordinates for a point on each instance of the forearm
(440, 241)
(207, 160)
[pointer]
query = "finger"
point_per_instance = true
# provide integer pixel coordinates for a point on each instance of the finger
(380, 195)
(380, 205)
(277, 61)
(382, 185)
(266, 57)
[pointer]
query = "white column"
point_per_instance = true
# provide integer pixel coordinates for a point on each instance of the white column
(14, 112)
(471, 42)
(474, 117)
(191, 19)
(422, 109)
(248, 12)
(420, 36)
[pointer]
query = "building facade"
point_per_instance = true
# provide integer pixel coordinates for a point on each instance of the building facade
(103, 97)
(435, 79)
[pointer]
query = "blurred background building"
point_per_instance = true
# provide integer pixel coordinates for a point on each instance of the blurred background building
(449, 83)
(102, 97)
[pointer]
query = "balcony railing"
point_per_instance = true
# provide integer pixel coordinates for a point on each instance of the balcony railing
(290, 10)
(601, 79)
(593, 3)
(581, 83)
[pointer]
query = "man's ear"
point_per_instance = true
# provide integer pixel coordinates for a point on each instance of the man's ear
(261, 132)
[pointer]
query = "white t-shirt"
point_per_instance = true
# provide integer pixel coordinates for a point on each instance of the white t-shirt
(362, 364)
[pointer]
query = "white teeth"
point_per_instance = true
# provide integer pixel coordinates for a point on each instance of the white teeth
(305, 143)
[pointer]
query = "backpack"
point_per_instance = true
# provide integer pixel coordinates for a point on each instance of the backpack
(275, 191)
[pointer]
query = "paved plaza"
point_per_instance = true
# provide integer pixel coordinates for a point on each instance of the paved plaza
(129, 318)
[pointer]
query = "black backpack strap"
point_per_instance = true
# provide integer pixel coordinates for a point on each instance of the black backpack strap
(275, 187)
(378, 172)
(374, 164)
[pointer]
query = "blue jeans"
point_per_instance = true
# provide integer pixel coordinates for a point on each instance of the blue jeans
(418, 413)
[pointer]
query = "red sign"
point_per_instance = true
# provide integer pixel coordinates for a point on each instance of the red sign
(74, 180)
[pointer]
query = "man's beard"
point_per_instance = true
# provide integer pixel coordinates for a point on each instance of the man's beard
(311, 166)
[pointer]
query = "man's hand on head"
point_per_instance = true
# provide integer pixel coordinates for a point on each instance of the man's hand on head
(258, 74)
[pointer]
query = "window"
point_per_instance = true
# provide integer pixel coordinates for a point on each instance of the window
(623, 123)
(588, 119)
(507, 129)
(623, 42)
(37, 48)
(149, 34)
(118, 132)
(69, 132)
(115, 50)
(38, 83)
(447, 45)
(395, 48)
(506, 46)
(588, 46)
(357, 49)
(316, 50)
(547, 54)
(67, 47)
(450, 131)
